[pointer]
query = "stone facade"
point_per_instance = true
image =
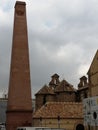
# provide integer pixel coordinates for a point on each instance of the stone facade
(68, 124)
(68, 115)
(93, 76)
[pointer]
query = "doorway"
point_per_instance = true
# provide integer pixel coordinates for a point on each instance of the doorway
(79, 127)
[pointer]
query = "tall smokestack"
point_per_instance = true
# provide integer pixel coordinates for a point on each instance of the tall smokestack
(19, 107)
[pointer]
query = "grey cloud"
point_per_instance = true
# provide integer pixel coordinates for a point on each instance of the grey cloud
(62, 38)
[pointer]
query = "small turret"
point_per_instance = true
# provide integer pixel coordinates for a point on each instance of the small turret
(83, 82)
(54, 81)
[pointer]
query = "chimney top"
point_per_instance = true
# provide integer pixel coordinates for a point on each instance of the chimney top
(20, 3)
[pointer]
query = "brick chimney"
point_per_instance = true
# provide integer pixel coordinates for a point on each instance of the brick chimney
(19, 107)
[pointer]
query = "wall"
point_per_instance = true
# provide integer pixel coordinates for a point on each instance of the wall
(65, 97)
(68, 124)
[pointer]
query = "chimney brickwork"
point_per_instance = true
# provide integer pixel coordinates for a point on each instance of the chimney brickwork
(19, 107)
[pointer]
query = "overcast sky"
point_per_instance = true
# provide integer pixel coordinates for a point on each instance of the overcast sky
(63, 39)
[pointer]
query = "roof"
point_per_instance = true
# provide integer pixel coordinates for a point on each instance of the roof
(55, 75)
(64, 86)
(20, 2)
(62, 109)
(45, 90)
(84, 78)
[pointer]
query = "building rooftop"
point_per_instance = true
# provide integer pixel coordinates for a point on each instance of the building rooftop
(64, 86)
(45, 90)
(62, 109)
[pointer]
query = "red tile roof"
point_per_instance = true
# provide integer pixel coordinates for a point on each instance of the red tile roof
(64, 86)
(62, 109)
(45, 90)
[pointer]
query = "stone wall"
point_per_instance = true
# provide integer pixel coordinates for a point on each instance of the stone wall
(68, 124)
